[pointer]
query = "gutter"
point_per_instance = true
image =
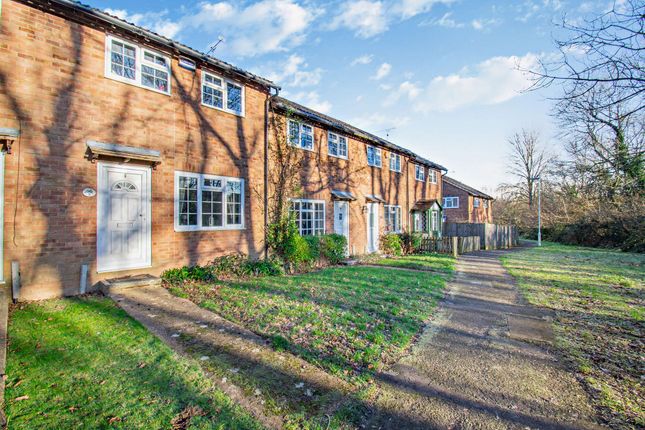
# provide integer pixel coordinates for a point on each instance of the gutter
(150, 35)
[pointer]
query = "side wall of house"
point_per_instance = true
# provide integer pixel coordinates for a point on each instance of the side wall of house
(463, 212)
(53, 88)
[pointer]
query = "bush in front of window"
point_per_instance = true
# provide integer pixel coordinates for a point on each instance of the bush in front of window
(189, 274)
(411, 241)
(333, 247)
(391, 244)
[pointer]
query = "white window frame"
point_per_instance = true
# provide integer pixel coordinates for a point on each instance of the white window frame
(485, 203)
(224, 90)
(200, 181)
(300, 132)
(139, 61)
(376, 151)
(432, 175)
(339, 138)
(454, 202)
(476, 202)
(313, 202)
(387, 210)
(419, 176)
(395, 156)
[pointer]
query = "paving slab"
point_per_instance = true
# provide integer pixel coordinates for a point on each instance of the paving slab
(485, 362)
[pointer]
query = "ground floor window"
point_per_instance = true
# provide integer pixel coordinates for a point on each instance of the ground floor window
(208, 202)
(309, 216)
(392, 218)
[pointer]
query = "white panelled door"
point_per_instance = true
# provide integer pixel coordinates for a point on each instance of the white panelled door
(341, 221)
(372, 227)
(123, 223)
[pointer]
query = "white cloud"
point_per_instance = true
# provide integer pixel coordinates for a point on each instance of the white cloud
(266, 26)
(292, 73)
(312, 100)
(493, 81)
(446, 21)
(363, 59)
(155, 21)
(482, 24)
(366, 18)
(406, 89)
(383, 70)
(378, 122)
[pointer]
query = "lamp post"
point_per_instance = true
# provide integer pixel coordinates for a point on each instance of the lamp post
(539, 179)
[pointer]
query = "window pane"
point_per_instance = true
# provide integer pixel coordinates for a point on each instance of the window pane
(187, 201)
(212, 208)
(234, 97)
(212, 97)
(233, 203)
(294, 133)
(342, 146)
(306, 136)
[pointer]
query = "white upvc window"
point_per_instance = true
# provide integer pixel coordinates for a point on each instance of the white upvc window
(222, 94)
(136, 65)
(486, 203)
(450, 202)
(373, 156)
(432, 176)
(395, 162)
(309, 216)
(300, 135)
(208, 202)
(336, 145)
(392, 218)
(475, 202)
(419, 173)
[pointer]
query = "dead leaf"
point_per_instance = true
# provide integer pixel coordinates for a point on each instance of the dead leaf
(17, 399)
(72, 408)
(114, 420)
(182, 420)
(142, 365)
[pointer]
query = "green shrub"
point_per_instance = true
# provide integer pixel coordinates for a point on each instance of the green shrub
(314, 243)
(189, 274)
(391, 244)
(268, 267)
(298, 251)
(332, 247)
(411, 241)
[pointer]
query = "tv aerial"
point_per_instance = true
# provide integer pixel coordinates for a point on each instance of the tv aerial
(220, 39)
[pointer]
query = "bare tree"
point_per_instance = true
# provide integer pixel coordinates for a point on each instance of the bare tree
(605, 52)
(527, 161)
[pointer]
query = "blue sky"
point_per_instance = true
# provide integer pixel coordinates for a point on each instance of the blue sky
(440, 74)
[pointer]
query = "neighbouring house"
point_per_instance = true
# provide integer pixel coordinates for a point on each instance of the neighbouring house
(129, 153)
(462, 203)
(357, 184)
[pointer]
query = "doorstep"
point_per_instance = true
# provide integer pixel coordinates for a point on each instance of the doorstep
(114, 285)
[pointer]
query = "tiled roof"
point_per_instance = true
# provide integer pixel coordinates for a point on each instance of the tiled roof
(287, 105)
(184, 49)
(468, 189)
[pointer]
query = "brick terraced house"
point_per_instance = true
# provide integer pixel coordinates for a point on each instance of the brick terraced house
(129, 153)
(462, 203)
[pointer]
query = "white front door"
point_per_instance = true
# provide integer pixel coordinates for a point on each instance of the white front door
(372, 227)
(123, 217)
(341, 221)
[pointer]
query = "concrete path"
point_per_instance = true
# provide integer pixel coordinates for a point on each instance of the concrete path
(484, 363)
(231, 352)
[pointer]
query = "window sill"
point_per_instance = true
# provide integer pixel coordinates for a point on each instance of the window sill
(373, 165)
(231, 112)
(337, 156)
(179, 229)
(134, 83)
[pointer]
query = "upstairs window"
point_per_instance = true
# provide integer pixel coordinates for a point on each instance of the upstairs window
(392, 218)
(136, 65)
(450, 202)
(301, 135)
(206, 202)
(432, 176)
(373, 156)
(486, 204)
(476, 202)
(221, 94)
(337, 145)
(419, 173)
(309, 216)
(395, 162)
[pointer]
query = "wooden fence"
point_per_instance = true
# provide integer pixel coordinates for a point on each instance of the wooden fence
(492, 236)
(446, 245)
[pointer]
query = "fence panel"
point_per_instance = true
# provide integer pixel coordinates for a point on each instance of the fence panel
(444, 245)
(491, 236)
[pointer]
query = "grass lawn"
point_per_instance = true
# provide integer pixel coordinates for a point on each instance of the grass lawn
(83, 363)
(347, 320)
(599, 300)
(432, 262)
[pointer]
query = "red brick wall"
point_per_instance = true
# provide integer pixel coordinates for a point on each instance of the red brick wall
(324, 173)
(52, 87)
(466, 212)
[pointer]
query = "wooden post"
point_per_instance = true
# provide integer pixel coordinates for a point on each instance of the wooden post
(455, 246)
(15, 281)
(83, 286)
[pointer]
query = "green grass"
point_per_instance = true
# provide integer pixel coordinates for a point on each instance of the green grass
(599, 300)
(348, 320)
(431, 262)
(85, 364)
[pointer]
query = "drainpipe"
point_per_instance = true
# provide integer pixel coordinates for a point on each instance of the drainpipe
(267, 102)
